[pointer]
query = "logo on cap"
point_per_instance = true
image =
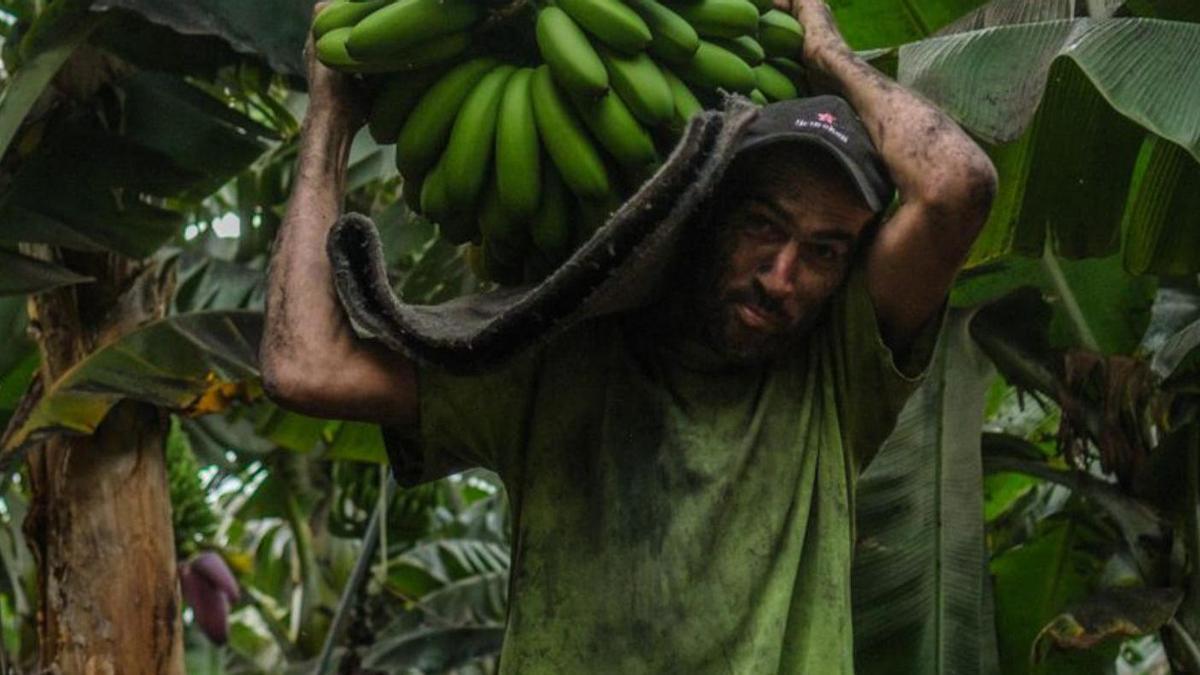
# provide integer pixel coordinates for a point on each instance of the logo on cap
(824, 123)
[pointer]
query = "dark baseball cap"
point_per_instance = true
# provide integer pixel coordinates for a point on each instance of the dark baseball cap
(828, 122)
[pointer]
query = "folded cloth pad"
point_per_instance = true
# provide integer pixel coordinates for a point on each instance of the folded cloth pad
(619, 268)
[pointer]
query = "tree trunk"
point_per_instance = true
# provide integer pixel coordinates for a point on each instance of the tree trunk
(100, 518)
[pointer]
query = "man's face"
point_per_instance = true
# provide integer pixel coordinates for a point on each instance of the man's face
(786, 226)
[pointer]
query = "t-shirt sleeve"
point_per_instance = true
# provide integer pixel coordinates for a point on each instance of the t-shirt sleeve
(872, 385)
(466, 421)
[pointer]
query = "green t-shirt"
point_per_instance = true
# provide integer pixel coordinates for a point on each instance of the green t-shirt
(668, 516)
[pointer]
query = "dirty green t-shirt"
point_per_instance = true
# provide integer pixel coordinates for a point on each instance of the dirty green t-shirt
(670, 516)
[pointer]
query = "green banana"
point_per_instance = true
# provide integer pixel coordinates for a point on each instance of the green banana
(410, 191)
(758, 97)
(331, 51)
(780, 34)
(456, 225)
(774, 84)
(551, 225)
(617, 130)
(640, 83)
(518, 151)
(686, 103)
(746, 48)
(474, 258)
(569, 54)
(435, 203)
(507, 236)
(720, 18)
(763, 5)
(407, 23)
(425, 132)
(459, 227)
(715, 67)
(395, 100)
(499, 268)
(611, 21)
(593, 214)
(794, 71)
(342, 14)
(566, 140)
(468, 154)
(672, 38)
(431, 53)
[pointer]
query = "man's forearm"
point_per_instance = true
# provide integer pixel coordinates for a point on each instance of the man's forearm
(312, 361)
(930, 158)
(301, 301)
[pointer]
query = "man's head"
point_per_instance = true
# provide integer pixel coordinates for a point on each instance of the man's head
(782, 232)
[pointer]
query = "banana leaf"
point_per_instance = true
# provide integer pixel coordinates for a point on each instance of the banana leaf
(1177, 10)
(30, 79)
(356, 442)
(1068, 125)
(993, 80)
(919, 578)
(1161, 224)
(86, 186)
(888, 23)
(1093, 303)
(194, 363)
(1179, 358)
(207, 282)
(273, 29)
(1038, 580)
(1007, 12)
(20, 275)
(432, 650)
(15, 344)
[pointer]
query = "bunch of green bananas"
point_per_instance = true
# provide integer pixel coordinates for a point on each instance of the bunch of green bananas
(524, 146)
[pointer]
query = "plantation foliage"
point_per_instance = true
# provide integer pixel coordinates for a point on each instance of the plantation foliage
(1036, 508)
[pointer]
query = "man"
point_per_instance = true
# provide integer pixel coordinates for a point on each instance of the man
(681, 477)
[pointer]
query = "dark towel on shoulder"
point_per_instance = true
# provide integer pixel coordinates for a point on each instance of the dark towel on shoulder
(618, 269)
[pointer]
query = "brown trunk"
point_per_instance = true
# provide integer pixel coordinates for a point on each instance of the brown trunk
(100, 519)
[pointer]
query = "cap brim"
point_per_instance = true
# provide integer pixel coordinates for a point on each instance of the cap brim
(874, 201)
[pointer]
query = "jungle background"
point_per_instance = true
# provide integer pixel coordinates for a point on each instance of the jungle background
(1036, 511)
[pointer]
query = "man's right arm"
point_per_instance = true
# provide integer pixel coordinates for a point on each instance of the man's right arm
(312, 361)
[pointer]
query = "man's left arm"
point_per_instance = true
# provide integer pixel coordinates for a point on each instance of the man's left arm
(946, 182)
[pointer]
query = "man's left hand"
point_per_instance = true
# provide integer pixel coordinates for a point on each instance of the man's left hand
(820, 30)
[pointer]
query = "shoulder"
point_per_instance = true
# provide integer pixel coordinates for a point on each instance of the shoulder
(584, 341)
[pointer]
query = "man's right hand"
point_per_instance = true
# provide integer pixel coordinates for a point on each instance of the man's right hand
(312, 361)
(335, 99)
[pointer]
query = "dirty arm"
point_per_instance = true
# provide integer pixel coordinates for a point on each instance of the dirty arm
(312, 361)
(946, 182)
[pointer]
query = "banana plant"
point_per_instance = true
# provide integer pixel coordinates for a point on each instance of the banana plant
(1130, 143)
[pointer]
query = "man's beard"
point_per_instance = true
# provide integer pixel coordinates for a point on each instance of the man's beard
(723, 331)
(710, 313)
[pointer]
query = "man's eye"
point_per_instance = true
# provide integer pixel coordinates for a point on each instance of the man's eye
(826, 252)
(761, 228)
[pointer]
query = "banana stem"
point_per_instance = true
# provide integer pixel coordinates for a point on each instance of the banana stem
(302, 537)
(274, 626)
(504, 14)
(1083, 330)
(1193, 508)
(1189, 645)
(355, 582)
(385, 476)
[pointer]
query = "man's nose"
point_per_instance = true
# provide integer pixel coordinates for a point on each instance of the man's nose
(778, 273)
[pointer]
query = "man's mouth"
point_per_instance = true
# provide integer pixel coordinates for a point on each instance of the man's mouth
(756, 317)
